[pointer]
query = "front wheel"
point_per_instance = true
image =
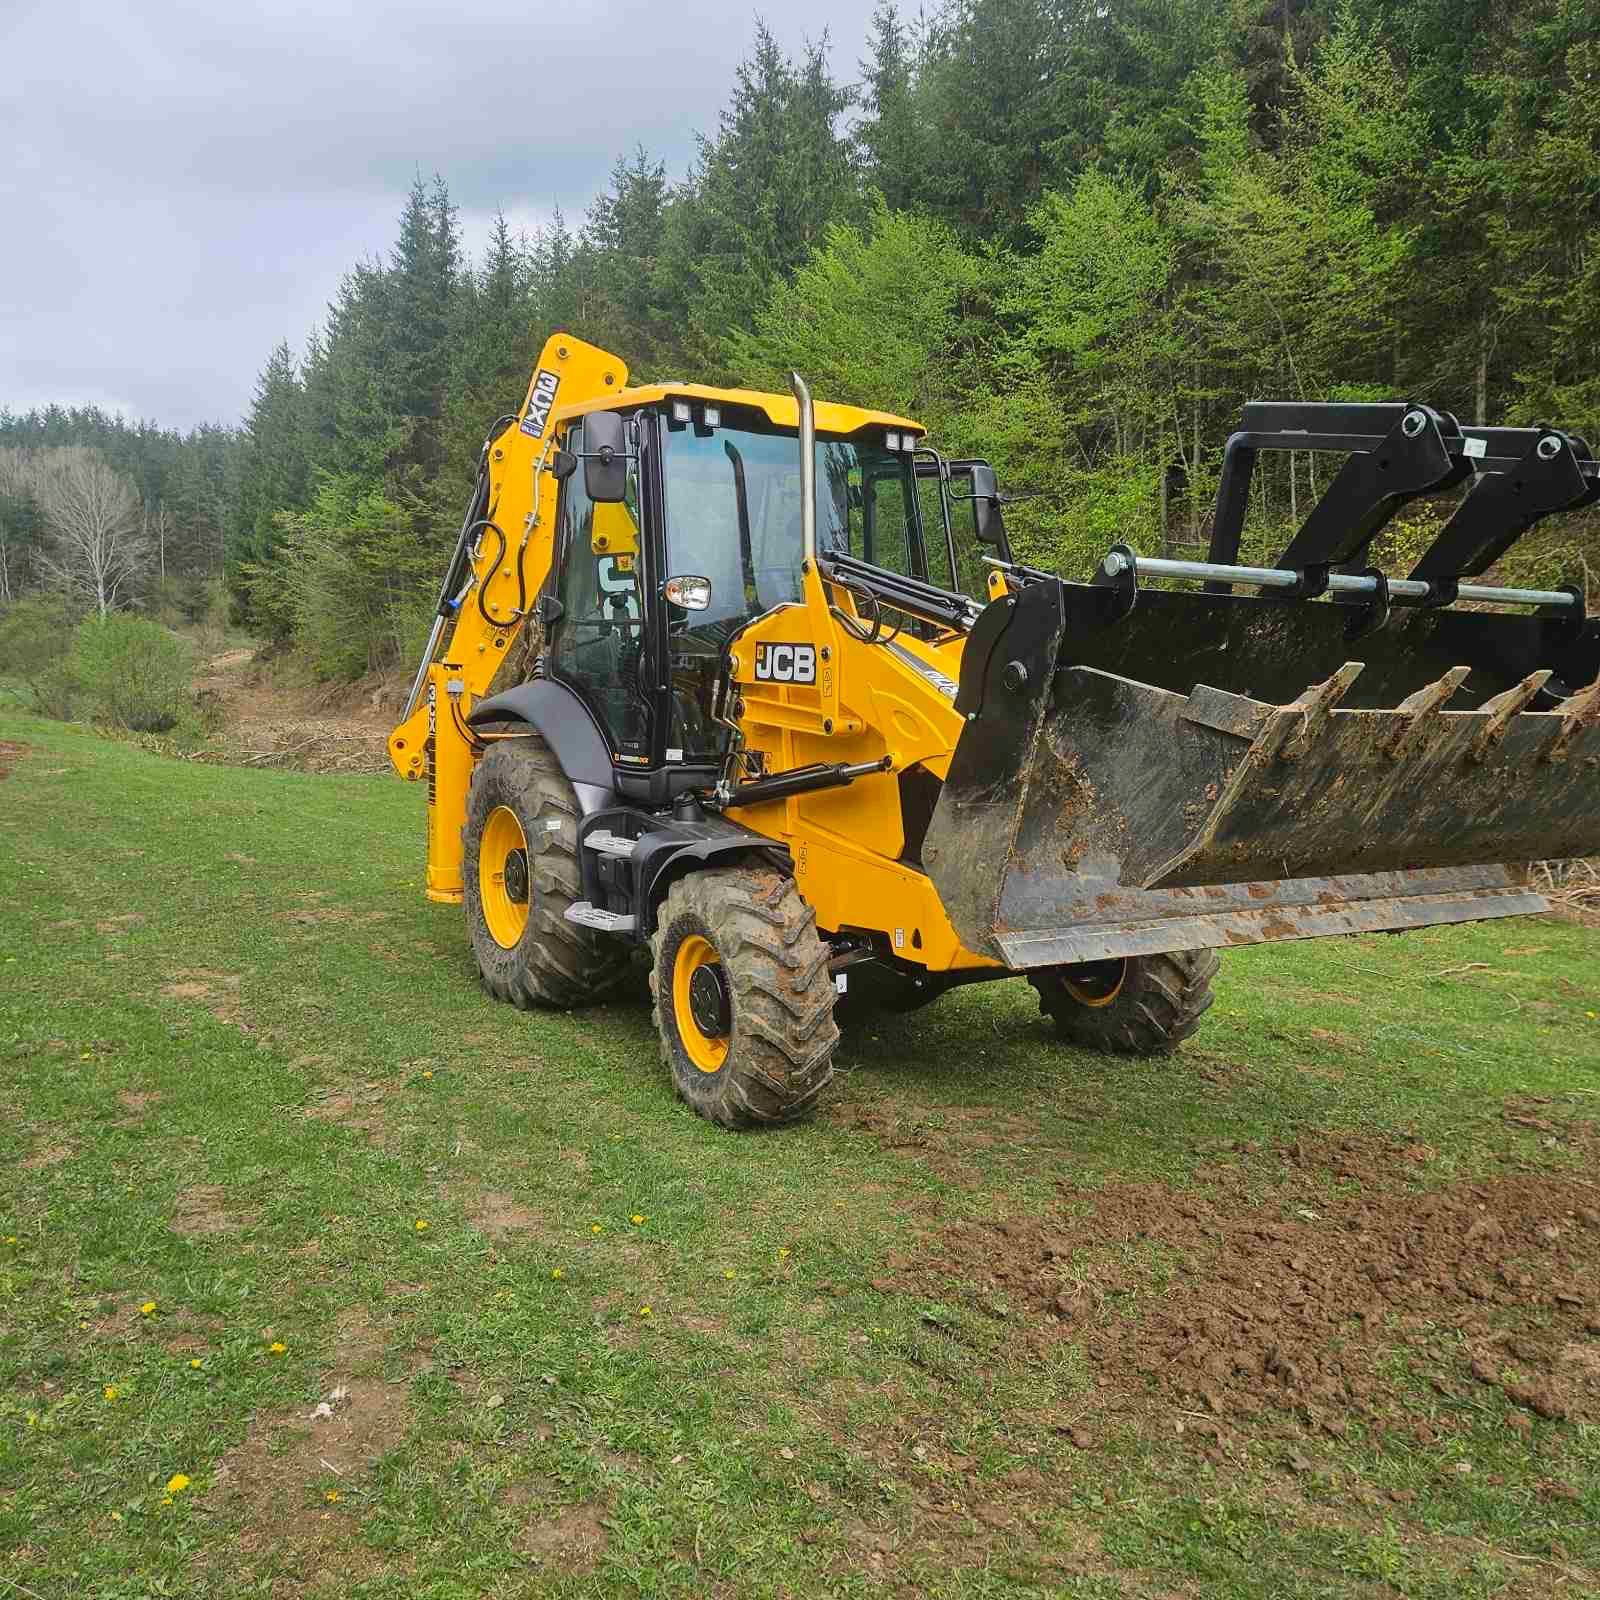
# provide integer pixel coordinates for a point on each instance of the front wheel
(1138, 1005)
(520, 873)
(743, 997)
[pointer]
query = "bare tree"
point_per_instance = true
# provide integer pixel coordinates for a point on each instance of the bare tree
(94, 546)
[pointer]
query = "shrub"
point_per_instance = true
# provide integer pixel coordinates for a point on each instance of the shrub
(35, 643)
(132, 672)
(180, 601)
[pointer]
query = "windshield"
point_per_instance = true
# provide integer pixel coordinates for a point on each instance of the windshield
(733, 516)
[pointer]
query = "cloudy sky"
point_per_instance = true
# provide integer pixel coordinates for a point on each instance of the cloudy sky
(184, 183)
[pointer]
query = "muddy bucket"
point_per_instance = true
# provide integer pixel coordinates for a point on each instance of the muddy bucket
(1093, 810)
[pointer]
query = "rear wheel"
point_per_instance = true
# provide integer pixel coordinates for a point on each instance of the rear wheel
(1140, 1005)
(743, 998)
(520, 873)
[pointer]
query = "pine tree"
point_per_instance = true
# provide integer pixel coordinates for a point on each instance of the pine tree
(890, 134)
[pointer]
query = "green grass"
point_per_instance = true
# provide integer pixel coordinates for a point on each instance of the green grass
(225, 1005)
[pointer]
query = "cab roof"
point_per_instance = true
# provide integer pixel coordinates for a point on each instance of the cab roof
(782, 410)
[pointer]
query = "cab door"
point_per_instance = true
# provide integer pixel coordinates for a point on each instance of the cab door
(597, 638)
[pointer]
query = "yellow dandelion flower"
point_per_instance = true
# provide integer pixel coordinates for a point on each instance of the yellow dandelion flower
(636, 1219)
(116, 1516)
(33, 1419)
(421, 1226)
(556, 1272)
(11, 1238)
(783, 1255)
(727, 1272)
(333, 1497)
(195, 1362)
(277, 1347)
(111, 1391)
(425, 1075)
(177, 1483)
(167, 1501)
(644, 1311)
(596, 1228)
(148, 1309)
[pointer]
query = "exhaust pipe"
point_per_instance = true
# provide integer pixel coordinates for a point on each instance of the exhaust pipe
(808, 467)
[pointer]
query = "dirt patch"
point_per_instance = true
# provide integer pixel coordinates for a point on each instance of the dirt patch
(185, 991)
(268, 722)
(499, 1215)
(572, 1540)
(353, 1108)
(10, 754)
(199, 1211)
(1299, 1303)
(138, 1102)
(49, 1155)
(289, 1462)
(115, 927)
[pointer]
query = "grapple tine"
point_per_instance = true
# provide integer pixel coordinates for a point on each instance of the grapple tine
(1302, 717)
(1416, 711)
(1169, 781)
(1577, 712)
(1503, 709)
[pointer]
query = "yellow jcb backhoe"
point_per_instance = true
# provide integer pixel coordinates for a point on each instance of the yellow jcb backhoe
(800, 724)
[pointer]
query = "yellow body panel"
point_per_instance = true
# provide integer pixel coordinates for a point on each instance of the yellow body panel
(868, 701)
(890, 699)
(522, 505)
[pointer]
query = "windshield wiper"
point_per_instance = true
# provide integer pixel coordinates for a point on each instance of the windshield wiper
(747, 558)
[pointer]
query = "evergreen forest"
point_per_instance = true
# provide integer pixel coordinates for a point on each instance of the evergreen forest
(1072, 238)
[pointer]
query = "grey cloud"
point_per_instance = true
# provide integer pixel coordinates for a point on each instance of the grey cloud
(187, 183)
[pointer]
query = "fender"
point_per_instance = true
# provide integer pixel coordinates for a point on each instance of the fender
(685, 858)
(559, 716)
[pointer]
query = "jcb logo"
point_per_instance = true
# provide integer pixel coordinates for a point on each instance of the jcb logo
(786, 663)
(540, 401)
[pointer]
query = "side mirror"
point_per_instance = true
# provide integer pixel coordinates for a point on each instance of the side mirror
(605, 457)
(688, 591)
(986, 505)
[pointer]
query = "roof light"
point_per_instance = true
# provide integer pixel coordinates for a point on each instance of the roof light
(713, 416)
(892, 441)
(680, 410)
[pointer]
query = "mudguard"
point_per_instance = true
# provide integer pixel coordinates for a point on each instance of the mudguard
(566, 724)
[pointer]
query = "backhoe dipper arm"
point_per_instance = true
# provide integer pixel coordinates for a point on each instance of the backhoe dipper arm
(500, 564)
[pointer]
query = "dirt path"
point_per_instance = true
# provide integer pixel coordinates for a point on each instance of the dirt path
(316, 728)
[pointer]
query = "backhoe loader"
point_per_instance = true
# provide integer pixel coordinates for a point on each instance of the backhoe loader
(800, 727)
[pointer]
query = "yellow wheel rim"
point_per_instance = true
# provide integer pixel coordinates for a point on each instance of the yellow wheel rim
(1097, 984)
(706, 1048)
(504, 886)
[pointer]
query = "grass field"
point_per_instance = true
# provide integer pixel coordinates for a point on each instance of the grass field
(1311, 1311)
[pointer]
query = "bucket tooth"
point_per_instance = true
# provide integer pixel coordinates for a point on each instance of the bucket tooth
(1503, 710)
(1577, 713)
(1416, 711)
(1302, 718)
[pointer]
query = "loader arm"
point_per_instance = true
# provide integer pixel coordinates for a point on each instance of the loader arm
(491, 589)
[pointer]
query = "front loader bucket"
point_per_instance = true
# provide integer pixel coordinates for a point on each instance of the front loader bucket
(1133, 783)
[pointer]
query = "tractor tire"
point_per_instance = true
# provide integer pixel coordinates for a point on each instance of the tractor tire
(1142, 1006)
(743, 997)
(520, 873)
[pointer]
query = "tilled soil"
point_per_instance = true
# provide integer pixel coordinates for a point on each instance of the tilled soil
(1298, 1298)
